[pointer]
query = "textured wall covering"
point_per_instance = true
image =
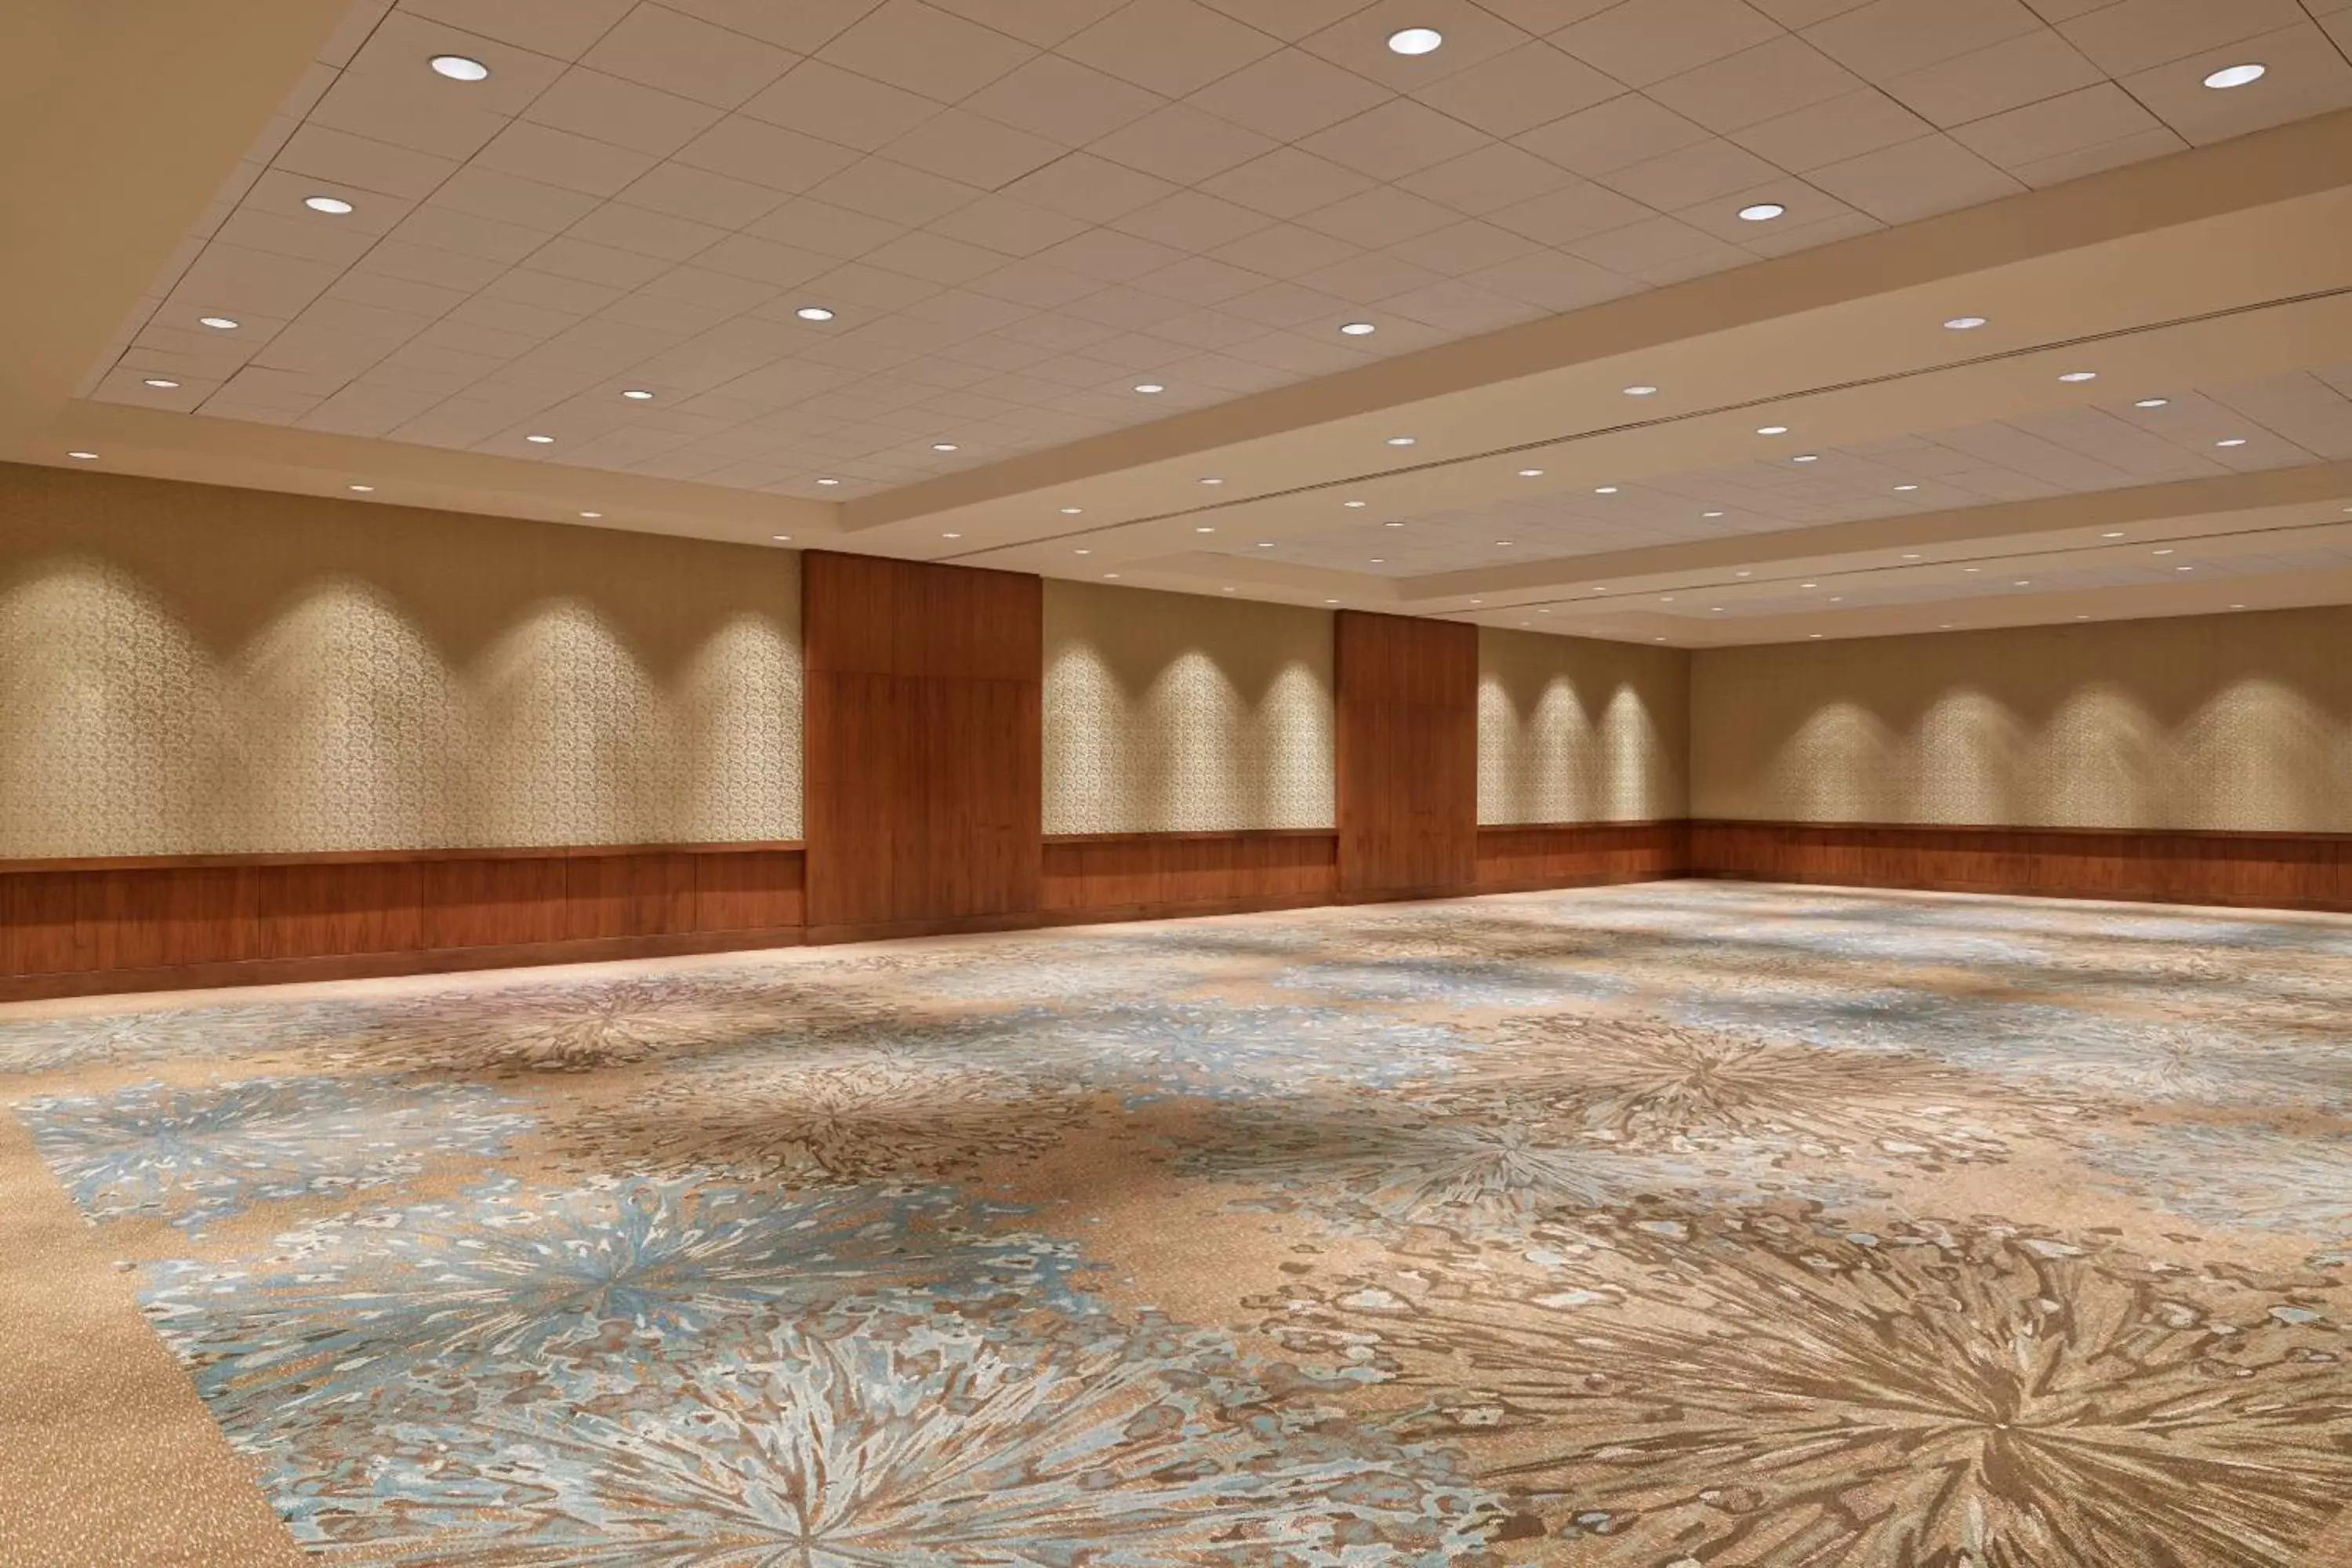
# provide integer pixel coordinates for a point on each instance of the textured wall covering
(1175, 713)
(2230, 722)
(186, 669)
(1575, 730)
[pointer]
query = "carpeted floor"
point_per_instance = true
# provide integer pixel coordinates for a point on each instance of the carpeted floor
(1667, 1226)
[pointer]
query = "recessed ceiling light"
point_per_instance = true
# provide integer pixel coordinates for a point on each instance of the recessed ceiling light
(1715, 609)
(1379, 561)
(2235, 75)
(1204, 528)
(1837, 598)
(1400, 440)
(1815, 635)
(1809, 584)
(1911, 555)
(1599, 590)
(162, 383)
(1711, 514)
(1640, 391)
(1771, 429)
(1743, 574)
(1355, 505)
(2237, 606)
(334, 206)
(363, 489)
(2082, 617)
(218, 324)
(1229, 590)
(83, 457)
(945, 446)
(2079, 375)
(2184, 568)
(460, 68)
(1806, 457)
(951, 536)
(1665, 598)
(1149, 387)
(1605, 490)
(1477, 601)
(2232, 441)
(1082, 552)
(2022, 582)
(1266, 545)
(592, 516)
(813, 313)
(1964, 323)
(1971, 568)
(1761, 212)
(2112, 533)
(1330, 601)
(1358, 328)
(828, 482)
(638, 394)
(1906, 487)
(2151, 403)
(540, 440)
(1073, 512)
(1507, 543)
(781, 537)
(1415, 41)
(2166, 551)
(1396, 523)
(1531, 473)
(1110, 576)
(1945, 627)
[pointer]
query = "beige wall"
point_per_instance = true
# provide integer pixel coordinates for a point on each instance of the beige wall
(2239, 722)
(1176, 713)
(192, 669)
(1577, 730)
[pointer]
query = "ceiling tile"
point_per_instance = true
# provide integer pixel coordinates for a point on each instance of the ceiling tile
(985, 154)
(363, 164)
(1643, 41)
(923, 50)
(1495, 176)
(1556, 282)
(893, 192)
(2062, 167)
(1626, 130)
(683, 191)
(1283, 305)
(1382, 216)
(724, 290)
(443, 269)
(1805, 13)
(1570, 214)
(2087, 117)
(649, 233)
(442, 228)
(2308, 76)
(763, 261)
(1013, 228)
(1082, 185)
(1457, 307)
(1193, 221)
(2007, 75)
(401, 111)
(1914, 179)
(1540, 16)
(1399, 138)
(1372, 276)
(1200, 281)
(658, 47)
(936, 257)
(1831, 133)
(1070, 104)
(1360, 42)
(1112, 258)
(1460, 249)
(1172, 47)
(1657, 250)
(560, 158)
(1890, 37)
(590, 104)
(1290, 19)
(1036, 283)
(762, 154)
(837, 106)
(1689, 174)
(1286, 250)
(564, 29)
(826, 229)
(487, 193)
(1518, 89)
(1182, 143)
(1776, 78)
(570, 258)
(1288, 95)
(1043, 23)
(2135, 35)
(852, 285)
(1287, 183)
(802, 27)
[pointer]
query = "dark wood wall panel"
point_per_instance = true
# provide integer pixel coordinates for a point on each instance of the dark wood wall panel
(1145, 876)
(1580, 854)
(923, 746)
(1408, 755)
(76, 927)
(2275, 870)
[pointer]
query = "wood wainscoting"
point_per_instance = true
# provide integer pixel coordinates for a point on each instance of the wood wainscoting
(78, 927)
(1523, 857)
(2264, 870)
(1152, 876)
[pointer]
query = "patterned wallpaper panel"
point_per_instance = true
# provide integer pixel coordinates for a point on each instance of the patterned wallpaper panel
(2231, 722)
(1173, 713)
(1575, 729)
(186, 669)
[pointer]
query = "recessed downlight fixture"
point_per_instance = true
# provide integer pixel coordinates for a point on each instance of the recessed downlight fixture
(1082, 552)
(162, 383)
(2236, 75)
(1378, 561)
(2166, 551)
(1806, 457)
(1711, 514)
(2079, 375)
(1906, 488)
(1771, 429)
(1642, 391)
(1761, 212)
(460, 68)
(1743, 574)
(1266, 545)
(2184, 568)
(592, 516)
(1605, 490)
(1204, 528)
(2112, 533)
(1393, 522)
(828, 482)
(218, 324)
(334, 206)
(1531, 473)
(1815, 635)
(781, 537)
(363, 489)
(1415, 41)
(951, 536)
(83, 457)
(945, 446)
(1355, 505)
(638, 394)
(2237, 606)
(1330, 601)
(2022, 582)
(1228, 590)
(1400, 440)
(1357, 329)
(540, 440)
(813, 313)
(1213, 479)
(1073, 511)
(1110, 576)
(1507, 543)
(1971, 569)
(1149, 387)
(1964, 323)
(2231, 441)
(1809, 584)
(2151, 403)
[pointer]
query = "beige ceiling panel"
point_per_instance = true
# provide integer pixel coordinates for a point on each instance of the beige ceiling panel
(2088, 117)
(973, 151)
(1775, 78)
(1287, 183)
(659, 47)
(1833, 132)
(322, 153)
(1182, 143)
(1518, 89)
(1891, 39)
(1626, 130)
(2307, 76)
(826, 229)
(1358, 43)
(1174, 47)
(2133, 36)
(481, 190)
(821, 100)
(1008, 227)
(1399, 138)
(1646, 41)
(1914, 180)
(2025, 68)
(562, 158)
(1064, 101)
(1081, 185)
(567, 256)
(2065, 166)
(1496, 175)
(398, 108)
(683, 191)
(1382, 216)
(563, 28)
(609, 110)
(766, 155)
(1713, 168)
(926, 50)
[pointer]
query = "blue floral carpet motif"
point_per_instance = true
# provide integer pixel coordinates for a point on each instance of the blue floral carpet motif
(1677, 1226)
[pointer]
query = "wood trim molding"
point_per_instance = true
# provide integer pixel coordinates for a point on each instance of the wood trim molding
(1519, 856)
(1156, 876)
(2260, 870)
(78, 927)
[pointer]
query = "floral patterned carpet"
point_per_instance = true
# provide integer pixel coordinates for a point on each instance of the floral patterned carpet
(1676, 1226)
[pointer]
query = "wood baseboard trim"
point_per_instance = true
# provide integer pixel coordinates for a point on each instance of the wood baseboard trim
(894, 930)
(1122, 913)
(383, 965)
